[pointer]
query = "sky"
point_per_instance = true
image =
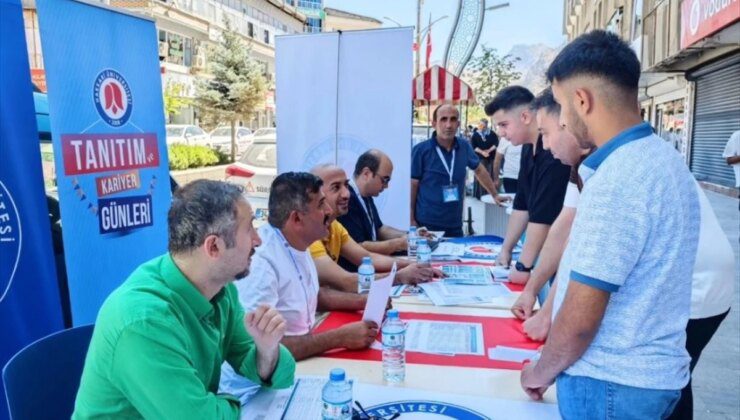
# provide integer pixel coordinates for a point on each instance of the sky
(522, 22)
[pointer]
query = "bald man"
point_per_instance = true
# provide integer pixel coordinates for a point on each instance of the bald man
(338, 243)
(438, 175)
(373, 172)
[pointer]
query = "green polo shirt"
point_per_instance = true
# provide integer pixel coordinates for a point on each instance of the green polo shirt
(158, 346)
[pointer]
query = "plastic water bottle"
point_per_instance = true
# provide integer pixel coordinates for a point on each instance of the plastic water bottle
(337, 397)
(412, 237)
(423, 252)
(365, 275)
(394, 352)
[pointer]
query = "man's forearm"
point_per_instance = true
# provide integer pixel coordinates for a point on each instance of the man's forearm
(733, 160)
(573, 329)
(335, 300)
(497, 166)
(552, 251)
(388, 232)
(517, 223)
(485, 179)
(412, 208)
(266, 362)
(381, 247)
(536, 235)
(309, 345)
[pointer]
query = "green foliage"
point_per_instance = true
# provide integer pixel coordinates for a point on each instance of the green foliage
(183, 156)
(237, 86)
(489, 72)
(173, 99)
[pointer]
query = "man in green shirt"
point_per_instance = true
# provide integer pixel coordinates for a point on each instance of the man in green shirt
(161, 337)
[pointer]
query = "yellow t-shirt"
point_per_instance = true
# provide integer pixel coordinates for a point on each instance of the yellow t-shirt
(332, 244)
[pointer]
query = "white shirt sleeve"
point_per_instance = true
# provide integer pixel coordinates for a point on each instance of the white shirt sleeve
(260, 286)
(571, 196)
(732, 148)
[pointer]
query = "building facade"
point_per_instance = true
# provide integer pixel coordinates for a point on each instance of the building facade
(184, 30)
(340, 20)
(690, 83)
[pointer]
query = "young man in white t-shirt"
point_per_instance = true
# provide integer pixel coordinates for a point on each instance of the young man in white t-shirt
(512, 157)
(732, 155)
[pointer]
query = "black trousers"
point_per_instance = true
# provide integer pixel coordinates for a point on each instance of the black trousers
(455, 232)
(510, 185)
(698, 334)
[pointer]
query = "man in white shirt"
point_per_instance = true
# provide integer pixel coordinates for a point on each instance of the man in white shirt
(512, 157)
(732, 155)
(283, 275)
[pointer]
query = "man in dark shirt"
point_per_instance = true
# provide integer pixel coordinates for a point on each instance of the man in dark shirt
(542, 178)
(484, 142)
(372, 175)
(438, 175)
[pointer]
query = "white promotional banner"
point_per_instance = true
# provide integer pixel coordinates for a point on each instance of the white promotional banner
(340, 94)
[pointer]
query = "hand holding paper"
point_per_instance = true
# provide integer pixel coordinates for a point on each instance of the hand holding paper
(377, 299)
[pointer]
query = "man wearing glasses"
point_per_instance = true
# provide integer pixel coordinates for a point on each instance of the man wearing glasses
(372, 175)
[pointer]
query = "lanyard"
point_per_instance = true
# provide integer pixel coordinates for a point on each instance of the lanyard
(444, 162)
(364, 207)
(300, 275)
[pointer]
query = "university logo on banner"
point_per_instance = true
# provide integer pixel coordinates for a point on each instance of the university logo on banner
(107, 123)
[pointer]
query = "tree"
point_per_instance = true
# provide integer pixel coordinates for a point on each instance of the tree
(174, 99)
(489, 72)
(236, 87)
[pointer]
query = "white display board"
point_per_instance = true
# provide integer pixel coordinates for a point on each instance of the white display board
(340, 94)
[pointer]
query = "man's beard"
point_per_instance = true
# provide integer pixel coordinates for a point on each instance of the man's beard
(580, 132)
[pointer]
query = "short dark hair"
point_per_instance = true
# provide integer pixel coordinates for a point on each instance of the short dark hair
(508, 98)
(289, 192)
(434, 113)
(370, 160)
(546, 101)
(600, 54)
(201, 208)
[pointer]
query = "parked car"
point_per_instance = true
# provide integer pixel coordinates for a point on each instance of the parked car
(255, 171)
(419, 133)
(221, 139)
(265, 133)
(186, 134)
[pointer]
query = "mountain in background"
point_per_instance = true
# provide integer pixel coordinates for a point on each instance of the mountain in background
(532, 64)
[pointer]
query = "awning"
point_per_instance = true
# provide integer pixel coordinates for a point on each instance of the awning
(436, 85)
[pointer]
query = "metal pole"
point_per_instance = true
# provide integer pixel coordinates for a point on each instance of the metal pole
(419, 4)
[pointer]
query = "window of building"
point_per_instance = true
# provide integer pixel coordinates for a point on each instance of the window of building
(178, 48)
(636, 19)
(250, 29)
(615, 22)
(267, 36)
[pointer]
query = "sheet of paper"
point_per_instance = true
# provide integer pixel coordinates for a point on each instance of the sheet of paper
(397, 291)
(512, 354)
(436, 293)
(467, 274)
(490, 291)
(449, 249)
(442, 337)
(377, 299)
(500, 272)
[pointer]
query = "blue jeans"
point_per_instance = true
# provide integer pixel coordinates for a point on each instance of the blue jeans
(581, 397)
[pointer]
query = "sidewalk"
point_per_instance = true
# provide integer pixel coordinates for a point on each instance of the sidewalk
(716, 382)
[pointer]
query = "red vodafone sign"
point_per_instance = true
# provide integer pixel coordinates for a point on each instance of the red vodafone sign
(702, 18)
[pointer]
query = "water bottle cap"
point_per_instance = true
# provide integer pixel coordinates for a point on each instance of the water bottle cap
(412, 229)
(367, 260)
(336, 374)
(392, 314)
(422, 241)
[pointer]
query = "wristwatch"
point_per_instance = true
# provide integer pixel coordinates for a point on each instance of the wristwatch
(521, 267)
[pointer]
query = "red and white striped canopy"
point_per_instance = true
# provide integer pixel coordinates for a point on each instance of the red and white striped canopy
(437, 85)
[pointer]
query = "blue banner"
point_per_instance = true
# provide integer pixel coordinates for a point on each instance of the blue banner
(29, 296)
(107, 123)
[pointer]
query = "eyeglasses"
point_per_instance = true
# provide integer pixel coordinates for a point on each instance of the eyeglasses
(384, 179)
(363, 415)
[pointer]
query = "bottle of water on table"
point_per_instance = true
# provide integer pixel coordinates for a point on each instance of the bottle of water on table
(394, 352)
(412, 237)
(337, 397)
(365, 275)
(423, 252)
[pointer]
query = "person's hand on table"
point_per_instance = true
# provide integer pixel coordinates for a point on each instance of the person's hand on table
(358, 335)
(532, 384)
(518, 277)
(504, 258)
(266, 326)
(524, 305)
(537, 326)
(400, 243)
(415, 274)
(501, 199)
(424, 233)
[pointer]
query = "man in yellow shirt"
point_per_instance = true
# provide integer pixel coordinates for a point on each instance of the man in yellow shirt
(326, 252)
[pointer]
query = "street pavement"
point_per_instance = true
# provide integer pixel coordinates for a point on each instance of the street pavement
(716, 381)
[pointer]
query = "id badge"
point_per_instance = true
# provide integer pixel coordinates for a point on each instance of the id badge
(450, 194)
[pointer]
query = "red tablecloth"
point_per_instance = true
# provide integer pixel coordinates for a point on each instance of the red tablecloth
(496, 331)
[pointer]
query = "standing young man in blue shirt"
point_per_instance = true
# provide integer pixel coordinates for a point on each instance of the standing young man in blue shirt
(616, 345)
(438, 175)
